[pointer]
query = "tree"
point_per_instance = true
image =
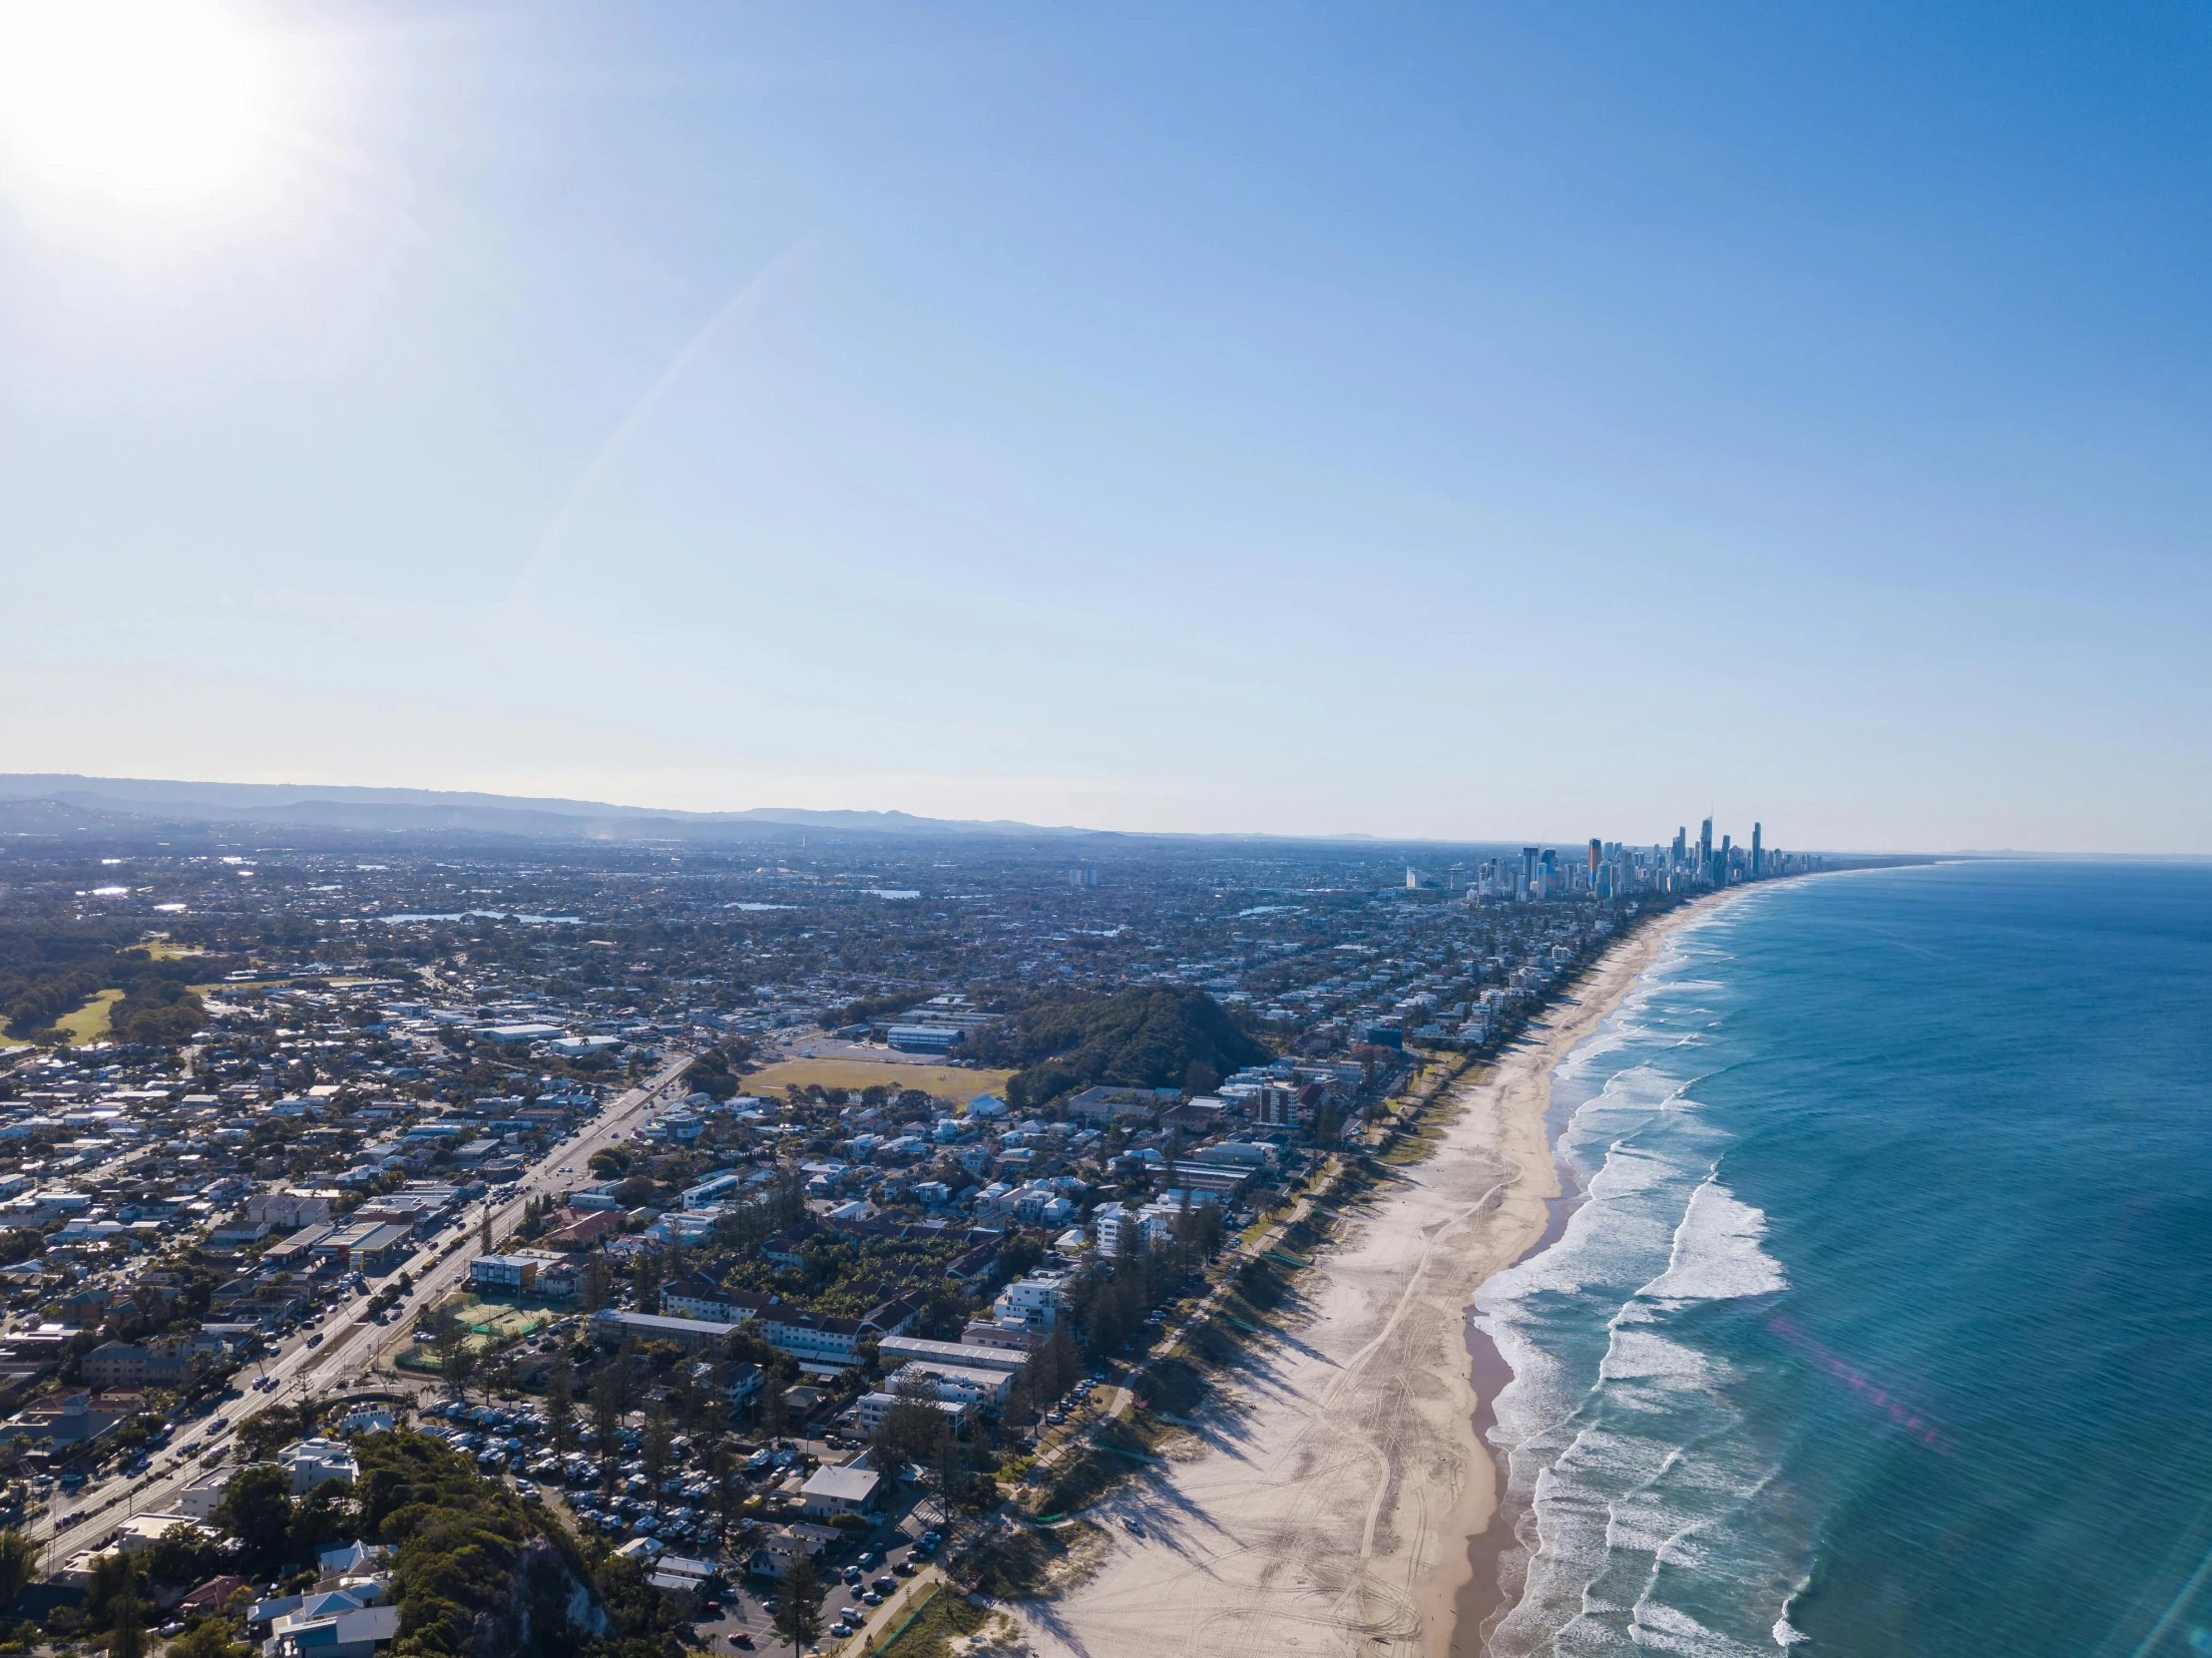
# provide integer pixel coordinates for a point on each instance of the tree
(561, 1401)
(798, 1613)
(645, 1282)
(608, 1398)
(775, 1413)
(594, 1288)
(657, 1442)
(208, 1638)
(257, 1509)
(912, 1429)
(947, 1478)
(128, 1616)
(19, 1557)
(325, 1516)
(456, 1359)
(110, 1582)
(182, 1554)
(1020, 1397)
(484, 1229)
(1060, 1363)
(730, 1491)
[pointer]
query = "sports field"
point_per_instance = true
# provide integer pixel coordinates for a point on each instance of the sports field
(953, 1082)
(500, 1323)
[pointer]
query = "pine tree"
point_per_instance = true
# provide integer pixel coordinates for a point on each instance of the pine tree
(798, 1614)
(561, 1401)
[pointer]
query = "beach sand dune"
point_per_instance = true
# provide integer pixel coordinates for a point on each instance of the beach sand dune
(1330, 1509)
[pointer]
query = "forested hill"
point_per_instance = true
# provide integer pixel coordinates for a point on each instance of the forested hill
(1154, 1036)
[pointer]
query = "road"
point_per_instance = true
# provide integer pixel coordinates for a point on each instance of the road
(349, 1348)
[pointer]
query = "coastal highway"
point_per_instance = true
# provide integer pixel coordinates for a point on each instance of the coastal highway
(348, 1346)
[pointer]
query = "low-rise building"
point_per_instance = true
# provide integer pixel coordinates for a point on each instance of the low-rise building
(829, 1492)
(354, 1632)
(506, 1274)
(317, 1461)
(126, 1365)
(1034, 1301)
(1104, 1105)
(203, 1495)
(611, 1328)
(288, 1209)
(60, 1425)
(894, 1351)
(368, 1247)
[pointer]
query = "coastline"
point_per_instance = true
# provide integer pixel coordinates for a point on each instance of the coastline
(1343, 1487)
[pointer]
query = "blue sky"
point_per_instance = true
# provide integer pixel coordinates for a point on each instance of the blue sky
(1450, 421)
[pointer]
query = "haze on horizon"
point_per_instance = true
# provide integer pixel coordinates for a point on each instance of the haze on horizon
(1461, 423)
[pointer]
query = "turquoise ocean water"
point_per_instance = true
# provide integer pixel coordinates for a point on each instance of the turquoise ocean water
(1886, 1324)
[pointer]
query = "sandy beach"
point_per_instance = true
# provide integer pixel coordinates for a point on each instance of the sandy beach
(1330, 1509)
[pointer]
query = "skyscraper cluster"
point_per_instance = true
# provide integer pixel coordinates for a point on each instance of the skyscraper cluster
(1609, 869)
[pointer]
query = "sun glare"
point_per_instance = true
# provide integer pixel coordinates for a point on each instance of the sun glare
(150, 102)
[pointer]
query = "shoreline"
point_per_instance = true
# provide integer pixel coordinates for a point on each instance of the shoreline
(1473, 1596)
(1343, 1484)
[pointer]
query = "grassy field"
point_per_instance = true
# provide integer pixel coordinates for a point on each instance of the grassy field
(163, 951)
(90, 1023)
(945, 1082)
(946, 1617)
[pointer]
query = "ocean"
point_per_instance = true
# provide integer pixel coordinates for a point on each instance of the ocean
(1885, 1322)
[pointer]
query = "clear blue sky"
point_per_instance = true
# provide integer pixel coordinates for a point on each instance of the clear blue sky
(1454, 421)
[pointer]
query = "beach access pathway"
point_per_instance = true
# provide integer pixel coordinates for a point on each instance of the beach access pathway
(1340, 1479)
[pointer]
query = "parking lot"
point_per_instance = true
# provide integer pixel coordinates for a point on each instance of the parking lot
(855, 1587)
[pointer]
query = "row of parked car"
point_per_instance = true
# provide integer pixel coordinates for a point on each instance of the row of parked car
(869, 1591)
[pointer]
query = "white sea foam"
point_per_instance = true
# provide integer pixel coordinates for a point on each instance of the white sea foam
(1718, 1254)
(1639, 1500)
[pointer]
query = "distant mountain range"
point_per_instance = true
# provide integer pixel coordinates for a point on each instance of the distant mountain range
(30, 802)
